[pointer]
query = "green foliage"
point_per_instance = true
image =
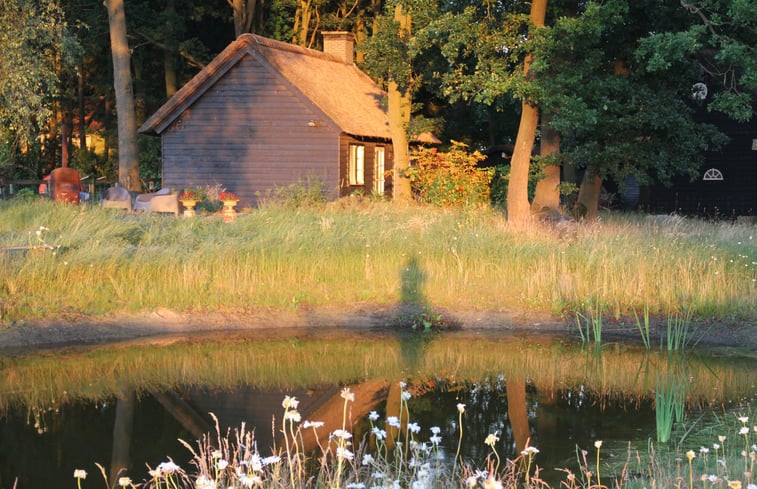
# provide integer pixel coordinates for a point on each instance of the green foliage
(310, 192)
(450, 178)
(35, 44)
(621, 107)
(719, 37)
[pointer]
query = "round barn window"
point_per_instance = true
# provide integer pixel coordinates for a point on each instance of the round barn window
(713, 174)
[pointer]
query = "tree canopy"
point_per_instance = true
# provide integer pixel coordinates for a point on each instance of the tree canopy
(614, 79)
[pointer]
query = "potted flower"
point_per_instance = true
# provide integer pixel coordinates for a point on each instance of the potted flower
(229, 200)
(189, 198)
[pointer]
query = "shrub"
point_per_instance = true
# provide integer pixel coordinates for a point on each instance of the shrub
(450, 179)
(304, 193)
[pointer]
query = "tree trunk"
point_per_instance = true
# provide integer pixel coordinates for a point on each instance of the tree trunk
(82, 111)
(588, 196)
(169, 52)
(518, 208)
(122, 427)
(547, 194)
(400, 104)
(128, 163)
(517, 411)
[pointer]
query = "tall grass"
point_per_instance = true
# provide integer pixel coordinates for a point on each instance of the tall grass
(346, 256)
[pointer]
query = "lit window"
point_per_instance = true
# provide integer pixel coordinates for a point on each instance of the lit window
(357, 164)
(378, 170)
(713, 174)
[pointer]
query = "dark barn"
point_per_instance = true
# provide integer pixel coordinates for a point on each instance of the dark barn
(266, 114)
(727, 183)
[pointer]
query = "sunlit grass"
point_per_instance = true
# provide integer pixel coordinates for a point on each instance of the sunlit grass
(282, 258)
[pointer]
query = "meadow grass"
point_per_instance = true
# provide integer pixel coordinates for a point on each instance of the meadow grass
(105, 262)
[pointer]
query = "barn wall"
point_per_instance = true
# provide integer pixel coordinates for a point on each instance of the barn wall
(250, 133)
(733, 196)
(344, 159)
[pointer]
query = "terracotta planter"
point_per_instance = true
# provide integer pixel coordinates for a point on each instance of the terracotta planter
(229, 214)
(189, 207)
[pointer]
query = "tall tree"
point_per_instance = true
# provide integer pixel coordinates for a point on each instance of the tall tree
(35, 48)
(128, 161)
(390, 55)
(518, 207)
(616, 117)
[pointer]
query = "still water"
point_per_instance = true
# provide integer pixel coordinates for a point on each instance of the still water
(67, 410)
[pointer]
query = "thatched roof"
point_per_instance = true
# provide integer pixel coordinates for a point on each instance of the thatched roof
(344, 93)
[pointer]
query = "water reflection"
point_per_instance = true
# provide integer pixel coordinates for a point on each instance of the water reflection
(127, 407)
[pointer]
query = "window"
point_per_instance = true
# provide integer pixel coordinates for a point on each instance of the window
(357, 164)
(713, 174)
(378, 170)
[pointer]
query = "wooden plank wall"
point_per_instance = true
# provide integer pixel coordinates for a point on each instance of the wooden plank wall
(735, 195)
(250, 133)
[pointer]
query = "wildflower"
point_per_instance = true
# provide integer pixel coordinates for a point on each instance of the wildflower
(367, 459)
(471, 481)
(744, 430)
(716, 446)
(704, 450)
(378, 475)
(744, 419)
(273, 459)
(406, 395)
(530, 451)
(414, 427)
(292, 416)
(712, 478)
(204, 482)
(347, 395)
(734, 484)
(751, 486)
(343, 434)
(312, 424)
(154, 473)
(342, 452)
(255, 463)
(355, 485)
(460, 408)
(373, 416)
(598, 443)
(217, 454)
(290, 402)
(80, 474)
(690, 455)
(435, 439)
(250, 480)
(393, 421)
(721, 438)
(168, 467)
(124, 481)
(436, 430)
(222, 464)
(491, 440)
(403, 385)
(379, 433)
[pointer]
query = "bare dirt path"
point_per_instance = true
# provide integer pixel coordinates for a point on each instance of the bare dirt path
(30, 336)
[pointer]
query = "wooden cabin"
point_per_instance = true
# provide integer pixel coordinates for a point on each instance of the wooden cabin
(266, 114)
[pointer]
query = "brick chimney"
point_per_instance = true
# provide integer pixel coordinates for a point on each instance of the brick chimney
(340, 45)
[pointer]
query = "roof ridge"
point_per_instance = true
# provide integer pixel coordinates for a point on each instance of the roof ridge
(291, 48)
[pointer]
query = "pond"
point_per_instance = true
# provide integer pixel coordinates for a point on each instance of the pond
(130, 404)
